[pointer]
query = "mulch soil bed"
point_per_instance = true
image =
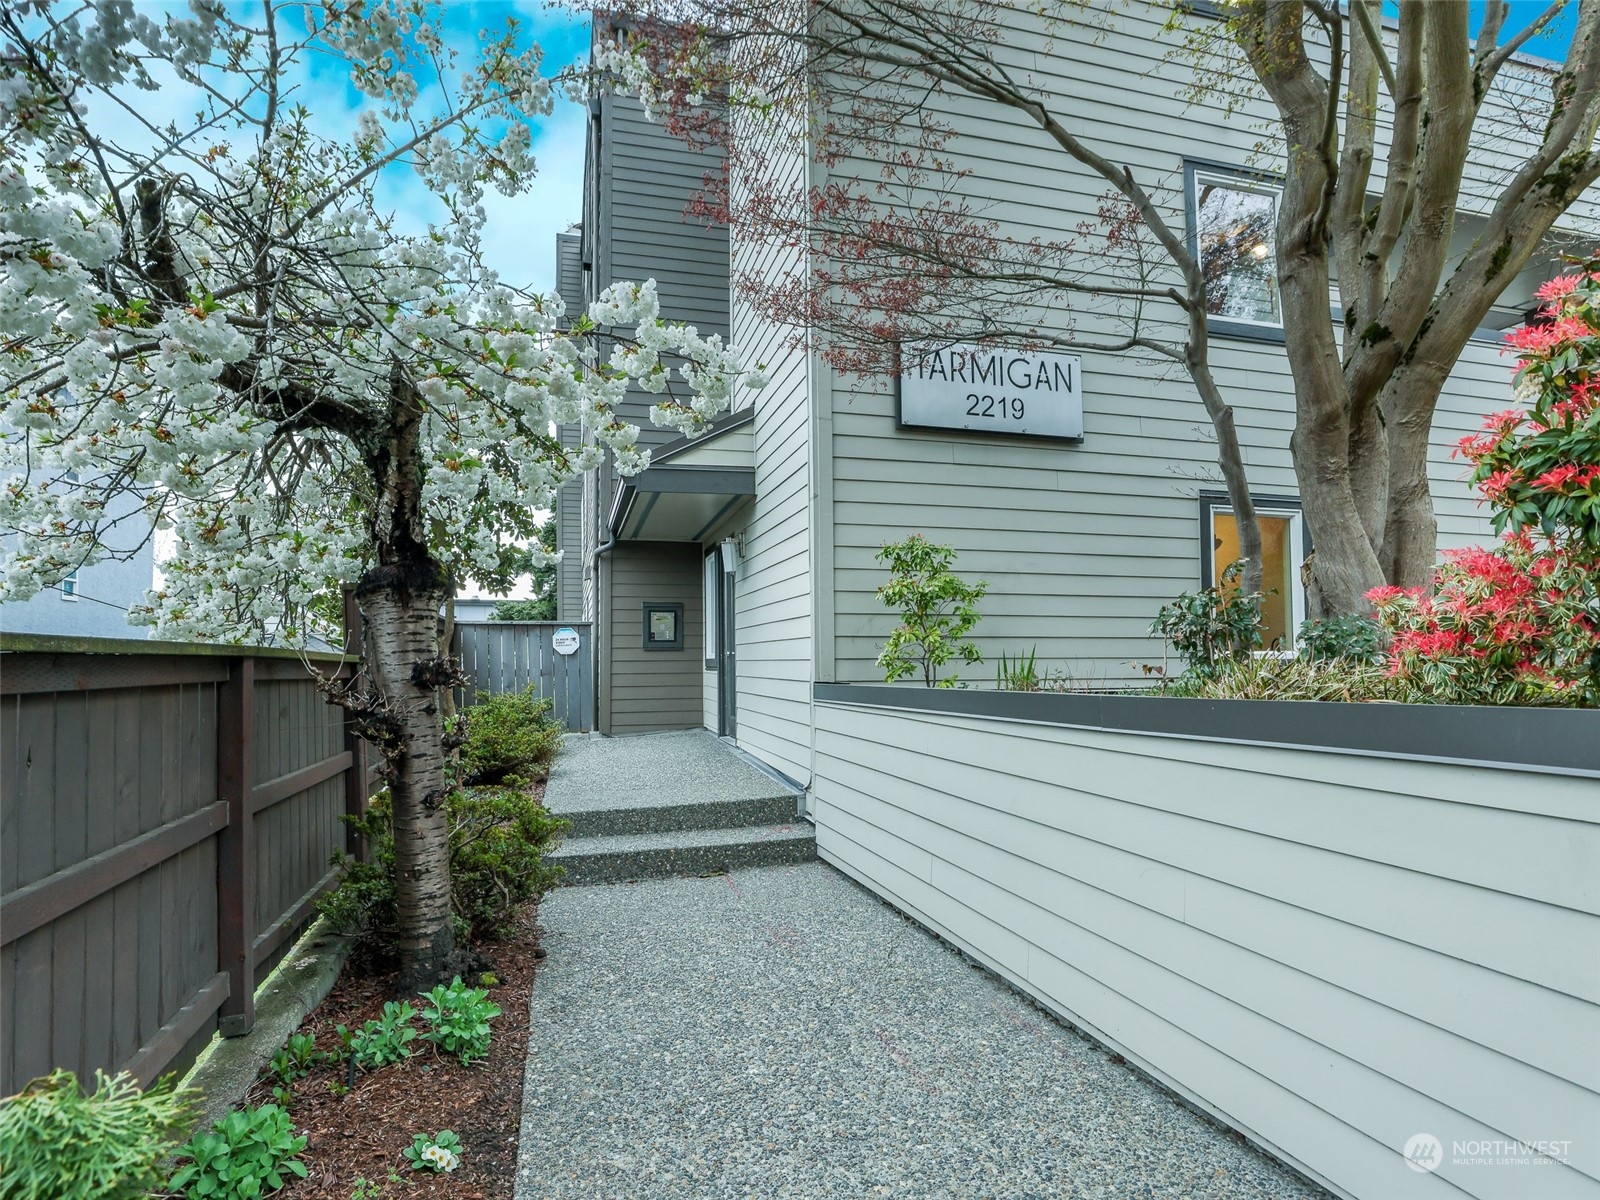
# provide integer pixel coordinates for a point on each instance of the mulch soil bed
(362, 1133)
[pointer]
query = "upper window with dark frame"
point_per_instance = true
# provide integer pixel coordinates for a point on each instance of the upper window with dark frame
(1233, 216)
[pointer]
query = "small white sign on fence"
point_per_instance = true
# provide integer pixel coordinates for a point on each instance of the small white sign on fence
(565, 640)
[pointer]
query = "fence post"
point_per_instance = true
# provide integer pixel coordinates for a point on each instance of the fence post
(236, 854)
(355, 789)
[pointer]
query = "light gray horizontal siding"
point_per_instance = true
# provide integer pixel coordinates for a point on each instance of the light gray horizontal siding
(1332, 953)
(1082, 544)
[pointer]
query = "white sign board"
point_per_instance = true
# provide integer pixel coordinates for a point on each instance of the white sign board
(992, 389)
(565, 640)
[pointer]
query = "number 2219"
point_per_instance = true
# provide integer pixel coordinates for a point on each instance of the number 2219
(1002, 407)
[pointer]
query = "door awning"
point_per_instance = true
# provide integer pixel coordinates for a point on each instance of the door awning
(691, 486)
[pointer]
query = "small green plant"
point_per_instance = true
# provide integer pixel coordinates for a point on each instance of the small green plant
(1017, 674)
(458, 1019)
(58, 1143)
(937, 610)
(384, 1040)
(245, 1155)
(296, 1060)
(440, 1153)
(283, 1097)
(368, 1189)
(1348, 638)
(1212, 626)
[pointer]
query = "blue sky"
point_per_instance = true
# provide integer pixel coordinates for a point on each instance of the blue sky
(1551, 43)
(519, 240)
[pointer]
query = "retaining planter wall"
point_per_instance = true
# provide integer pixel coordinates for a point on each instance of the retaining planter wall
(1335, 927)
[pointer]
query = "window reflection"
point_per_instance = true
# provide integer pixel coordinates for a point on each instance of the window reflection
(1234, 228)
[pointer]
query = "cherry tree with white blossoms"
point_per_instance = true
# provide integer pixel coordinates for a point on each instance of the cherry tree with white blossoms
(218, 321)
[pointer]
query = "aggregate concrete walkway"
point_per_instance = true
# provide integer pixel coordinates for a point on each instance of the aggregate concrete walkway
(650, 770)
(780, 1033)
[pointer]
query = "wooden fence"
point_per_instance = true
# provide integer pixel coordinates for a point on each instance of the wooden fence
(167, 817)
(506, 656)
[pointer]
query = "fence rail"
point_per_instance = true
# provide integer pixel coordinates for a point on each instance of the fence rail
(507, 656)
(167, 816)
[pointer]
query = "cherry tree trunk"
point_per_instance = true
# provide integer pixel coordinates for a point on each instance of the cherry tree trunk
(400, 599)
(402, 637)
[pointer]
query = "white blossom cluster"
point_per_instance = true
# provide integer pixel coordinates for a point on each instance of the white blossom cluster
(242, 366)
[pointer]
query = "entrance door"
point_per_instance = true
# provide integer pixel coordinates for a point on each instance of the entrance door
(727, 673)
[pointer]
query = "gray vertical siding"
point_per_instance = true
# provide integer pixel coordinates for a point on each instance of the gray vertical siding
(644, 690)
(1330, 952)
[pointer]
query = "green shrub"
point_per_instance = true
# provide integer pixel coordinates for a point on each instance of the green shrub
(498, 839)
(56, 1143)
(511, 739)
(1353, 638)
(458, 1019)
(245, 1155)
(1213, 626)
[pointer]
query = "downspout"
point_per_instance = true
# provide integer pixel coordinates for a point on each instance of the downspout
(599, 598)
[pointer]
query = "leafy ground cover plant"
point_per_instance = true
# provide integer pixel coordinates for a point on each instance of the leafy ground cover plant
(297, 1059)
(249, 1153)
(385, 1040)
(440, 1153)
(1520, 623)
(1213, 626)
(937, 610)
(59, 1143)
(458, 1019)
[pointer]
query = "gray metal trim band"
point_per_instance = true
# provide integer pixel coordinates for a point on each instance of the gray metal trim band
(1563, 741)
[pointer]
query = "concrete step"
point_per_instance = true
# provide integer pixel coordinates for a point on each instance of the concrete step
(682, 852)
(776, 809)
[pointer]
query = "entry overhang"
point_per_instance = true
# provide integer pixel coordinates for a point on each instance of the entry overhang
(691, 486)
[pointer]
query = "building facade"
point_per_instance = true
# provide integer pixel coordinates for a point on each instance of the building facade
(739, 570)
(94, 600)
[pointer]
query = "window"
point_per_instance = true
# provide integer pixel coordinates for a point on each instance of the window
(1233, 218)
(663, 626)
(1283, 549)
(69, 587)
(713, 610)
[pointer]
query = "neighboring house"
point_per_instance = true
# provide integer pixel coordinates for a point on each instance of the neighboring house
(474, 609)
(738, 571)
(94, 601)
